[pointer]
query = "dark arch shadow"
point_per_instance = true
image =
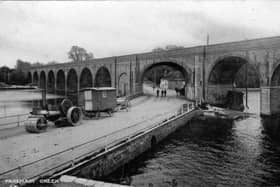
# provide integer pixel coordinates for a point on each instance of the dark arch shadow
(60, 82)
(72, 82)
(35, 78)
(275, 79)
(51, 82)
(86, 78)
(29, 77)
(228, 73)
(43, 80)
(186, 73)
(225, 69)
(103, 78)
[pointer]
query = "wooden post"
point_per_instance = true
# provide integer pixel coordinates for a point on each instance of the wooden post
(246, 82)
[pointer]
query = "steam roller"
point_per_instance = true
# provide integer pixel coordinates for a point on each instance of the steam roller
(65, 115)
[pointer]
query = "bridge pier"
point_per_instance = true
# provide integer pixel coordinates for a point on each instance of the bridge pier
(270, 100)
(270, 109)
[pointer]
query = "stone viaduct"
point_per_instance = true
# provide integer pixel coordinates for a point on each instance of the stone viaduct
(209, 71)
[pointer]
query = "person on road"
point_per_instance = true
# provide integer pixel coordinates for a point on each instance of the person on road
(162, 92)
(157, 92)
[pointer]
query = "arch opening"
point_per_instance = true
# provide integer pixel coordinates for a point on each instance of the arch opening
(35, 78)
(103, 78)
(60, 82)
(230, 73)
(275, 79)
(123, 85)
(51, 82)
(72, 82)
(166, 76)
(86, 78)
(29, 78)
(43, 80)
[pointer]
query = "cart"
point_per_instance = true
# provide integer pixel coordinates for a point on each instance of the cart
(98, 100)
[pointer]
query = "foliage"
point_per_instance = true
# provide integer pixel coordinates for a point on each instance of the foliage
(79, 54)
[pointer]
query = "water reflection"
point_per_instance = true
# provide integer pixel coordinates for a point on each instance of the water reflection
(242, 155)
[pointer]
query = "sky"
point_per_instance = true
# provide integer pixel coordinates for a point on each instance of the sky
(45, 31)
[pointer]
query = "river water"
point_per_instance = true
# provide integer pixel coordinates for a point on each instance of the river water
(239, 156)
(13, 102)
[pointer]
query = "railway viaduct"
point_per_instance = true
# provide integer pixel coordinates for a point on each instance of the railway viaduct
(209, 71)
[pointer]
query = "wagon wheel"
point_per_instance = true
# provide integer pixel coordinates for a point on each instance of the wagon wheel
(65, 105)
(110, 112)
(74, 115)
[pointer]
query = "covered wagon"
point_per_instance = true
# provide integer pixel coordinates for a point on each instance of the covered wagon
(96, 100)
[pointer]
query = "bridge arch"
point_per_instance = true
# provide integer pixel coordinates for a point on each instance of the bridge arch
(51, 82)
(225, 70)
(186, 72)
(72, 81)
(43, 80)
(86, 78)
(60, 82)
(35, 78)
(103, 78)
(123, 84)
(229, 72)
(29, 77)
(275, 78)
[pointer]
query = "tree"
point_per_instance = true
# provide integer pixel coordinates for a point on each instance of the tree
(79, 54)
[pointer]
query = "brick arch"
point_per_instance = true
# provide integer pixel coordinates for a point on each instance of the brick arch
(51, 81)
(43, 80)
(29, 77)
(221, 60)
(275, 76)
(60, 82)
(123, 84)
(72, 81)
(186, 71)
(35, 78)
(86, 77)
(103, 77)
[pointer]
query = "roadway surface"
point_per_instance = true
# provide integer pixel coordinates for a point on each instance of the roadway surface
(19, 148)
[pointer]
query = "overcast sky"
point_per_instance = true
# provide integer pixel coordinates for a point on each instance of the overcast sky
(45, 31)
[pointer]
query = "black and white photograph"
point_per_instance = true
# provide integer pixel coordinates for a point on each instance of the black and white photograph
(118, 93)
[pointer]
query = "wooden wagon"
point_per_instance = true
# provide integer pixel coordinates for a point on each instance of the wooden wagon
(97, 100)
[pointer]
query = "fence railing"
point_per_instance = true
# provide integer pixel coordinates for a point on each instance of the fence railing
(13, 120)
(106, 142)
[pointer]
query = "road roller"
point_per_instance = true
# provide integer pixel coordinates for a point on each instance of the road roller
(65, 115)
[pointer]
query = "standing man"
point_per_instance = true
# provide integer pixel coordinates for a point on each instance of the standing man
(157, 92)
